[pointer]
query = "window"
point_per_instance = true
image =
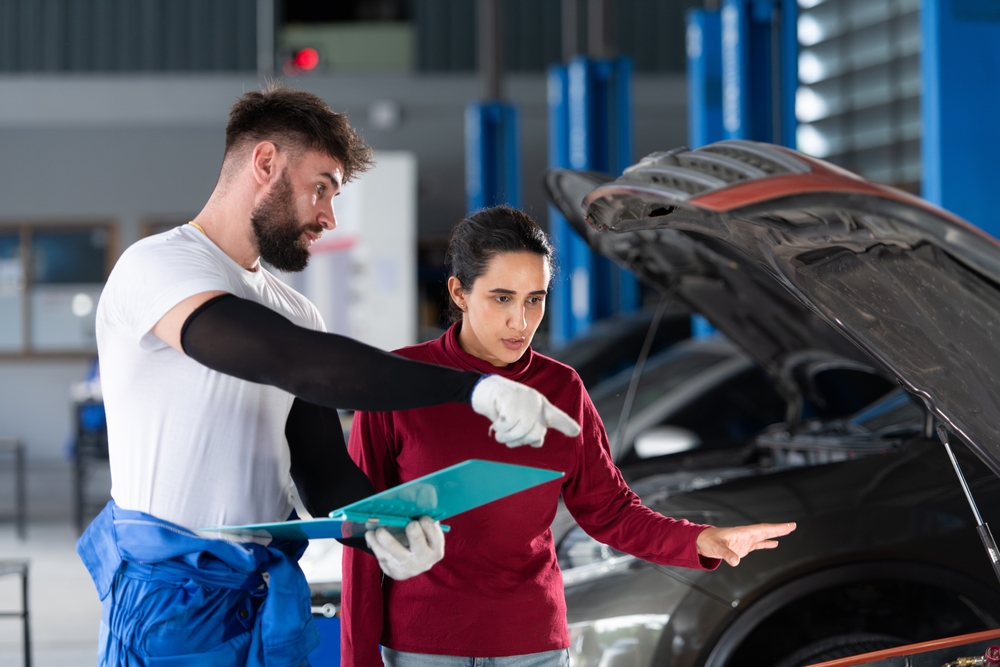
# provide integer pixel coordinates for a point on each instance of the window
(50, 282)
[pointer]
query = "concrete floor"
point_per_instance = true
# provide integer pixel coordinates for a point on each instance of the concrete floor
(65, 611)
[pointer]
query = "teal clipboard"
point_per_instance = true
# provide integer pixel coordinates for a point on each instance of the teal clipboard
(440, 495)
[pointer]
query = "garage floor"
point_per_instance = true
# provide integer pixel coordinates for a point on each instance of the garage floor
(65, 611)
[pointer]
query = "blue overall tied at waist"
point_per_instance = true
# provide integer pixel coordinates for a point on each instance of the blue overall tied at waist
(172, 598)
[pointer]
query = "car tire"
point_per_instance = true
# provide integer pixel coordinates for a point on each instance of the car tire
(841, 646)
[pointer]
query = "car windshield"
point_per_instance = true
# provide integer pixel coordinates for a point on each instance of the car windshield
(663, 373)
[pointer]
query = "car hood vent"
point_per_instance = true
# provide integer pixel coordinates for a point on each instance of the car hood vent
(758, 156)
(661, 183)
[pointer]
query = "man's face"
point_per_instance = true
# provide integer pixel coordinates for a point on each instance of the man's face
(296, 211)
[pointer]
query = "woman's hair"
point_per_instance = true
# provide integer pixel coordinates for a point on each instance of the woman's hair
(485, 234)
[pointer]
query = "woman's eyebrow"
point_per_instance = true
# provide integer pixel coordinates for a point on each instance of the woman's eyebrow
(502, 290)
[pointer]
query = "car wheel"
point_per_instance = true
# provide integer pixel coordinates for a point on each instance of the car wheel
(841, 646)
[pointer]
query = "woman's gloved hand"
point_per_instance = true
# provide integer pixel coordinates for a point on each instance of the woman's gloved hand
(520, 415)
(426, 548)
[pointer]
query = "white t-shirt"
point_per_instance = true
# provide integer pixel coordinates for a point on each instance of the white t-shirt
(188, 444)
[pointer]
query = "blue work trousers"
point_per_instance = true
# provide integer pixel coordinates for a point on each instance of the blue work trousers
(172, 598)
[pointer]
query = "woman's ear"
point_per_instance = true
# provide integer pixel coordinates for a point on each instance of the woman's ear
(456, 292)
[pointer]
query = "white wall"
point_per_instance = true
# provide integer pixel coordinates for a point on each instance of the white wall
(35, 405)
(363, 275)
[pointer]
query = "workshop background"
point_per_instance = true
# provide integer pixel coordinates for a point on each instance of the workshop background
(111, 129)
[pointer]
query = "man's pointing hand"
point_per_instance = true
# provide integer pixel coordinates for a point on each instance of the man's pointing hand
(520, 415)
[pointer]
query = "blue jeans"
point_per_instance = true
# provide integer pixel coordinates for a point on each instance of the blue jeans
(558, 658)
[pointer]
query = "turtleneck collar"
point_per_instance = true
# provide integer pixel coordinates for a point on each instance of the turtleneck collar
(465, 360)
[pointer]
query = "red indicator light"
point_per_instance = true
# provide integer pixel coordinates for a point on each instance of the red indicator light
(307, 59)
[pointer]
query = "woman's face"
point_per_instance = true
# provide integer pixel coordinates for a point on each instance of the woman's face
(503, 309)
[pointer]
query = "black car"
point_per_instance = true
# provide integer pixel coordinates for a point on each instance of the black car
(830, 284)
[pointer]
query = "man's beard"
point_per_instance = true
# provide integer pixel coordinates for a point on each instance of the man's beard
(276, 231)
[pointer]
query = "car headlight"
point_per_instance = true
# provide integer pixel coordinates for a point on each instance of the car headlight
(622, 641)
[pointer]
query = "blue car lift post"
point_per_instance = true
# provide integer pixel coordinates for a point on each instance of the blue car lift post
(590, 128)
(742, 66)
(960, 108)
(492, 164)
(758, 94)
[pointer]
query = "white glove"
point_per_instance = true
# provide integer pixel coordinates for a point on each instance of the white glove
(426, 548)
(520, 415)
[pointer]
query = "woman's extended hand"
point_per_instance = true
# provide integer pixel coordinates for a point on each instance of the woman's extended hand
(732, 544)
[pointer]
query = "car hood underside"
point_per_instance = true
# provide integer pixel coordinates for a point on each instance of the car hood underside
(809, 257)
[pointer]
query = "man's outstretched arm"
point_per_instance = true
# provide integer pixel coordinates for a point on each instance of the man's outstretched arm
(244, 339)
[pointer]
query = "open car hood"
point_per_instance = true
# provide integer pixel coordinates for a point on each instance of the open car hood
(775, 329)
(829, 258)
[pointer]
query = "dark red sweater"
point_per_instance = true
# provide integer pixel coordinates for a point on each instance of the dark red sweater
(498, 591)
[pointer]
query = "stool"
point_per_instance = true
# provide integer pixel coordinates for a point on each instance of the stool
(19, 567)
(13, 446)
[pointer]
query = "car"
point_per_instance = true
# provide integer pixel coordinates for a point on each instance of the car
(804, 266)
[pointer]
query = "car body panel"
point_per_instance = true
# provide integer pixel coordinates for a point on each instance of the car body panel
(902, 508)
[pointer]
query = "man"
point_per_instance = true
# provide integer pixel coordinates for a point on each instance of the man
(209, 366)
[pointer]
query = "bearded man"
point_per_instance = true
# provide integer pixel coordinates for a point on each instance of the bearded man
(221, 387)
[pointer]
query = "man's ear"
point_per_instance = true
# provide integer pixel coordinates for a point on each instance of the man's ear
(456, 292)
(264, 161)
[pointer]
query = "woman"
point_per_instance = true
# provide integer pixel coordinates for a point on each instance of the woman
(498, 591)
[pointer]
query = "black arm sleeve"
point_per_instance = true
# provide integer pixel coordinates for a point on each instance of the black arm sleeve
(324, 474)
(322, 470)
(244, 339)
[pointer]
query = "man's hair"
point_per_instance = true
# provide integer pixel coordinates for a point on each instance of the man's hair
(294, 119)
